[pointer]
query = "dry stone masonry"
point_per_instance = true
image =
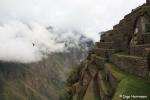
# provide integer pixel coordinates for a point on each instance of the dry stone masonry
(125, 49)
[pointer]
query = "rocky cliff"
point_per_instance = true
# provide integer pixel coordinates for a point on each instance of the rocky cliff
(118, 68)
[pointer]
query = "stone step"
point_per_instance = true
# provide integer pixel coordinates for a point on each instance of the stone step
(93, 69)
(103, 52)
(105, 45)
(106, 90)
(139, 50)
(99, 61)
(132, 64)
(113, 75)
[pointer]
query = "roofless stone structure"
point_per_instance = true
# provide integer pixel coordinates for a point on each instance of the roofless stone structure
(147, 1)
(120, 62)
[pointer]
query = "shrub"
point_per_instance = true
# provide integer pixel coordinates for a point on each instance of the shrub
(74, 76)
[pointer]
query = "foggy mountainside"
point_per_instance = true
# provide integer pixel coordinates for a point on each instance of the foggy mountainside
(42, 80)
(42, 41)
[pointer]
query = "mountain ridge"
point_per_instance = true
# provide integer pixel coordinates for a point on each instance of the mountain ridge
(42, 80)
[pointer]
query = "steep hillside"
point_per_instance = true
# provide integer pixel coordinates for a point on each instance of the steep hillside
(118, 68)
(42, 80)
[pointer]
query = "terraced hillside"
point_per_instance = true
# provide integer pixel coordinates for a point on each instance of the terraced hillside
(118, 68)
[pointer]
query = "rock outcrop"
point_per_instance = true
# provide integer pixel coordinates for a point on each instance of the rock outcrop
(119, 66)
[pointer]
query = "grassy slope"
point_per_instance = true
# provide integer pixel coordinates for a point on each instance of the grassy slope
(130, 84)
(106, 88)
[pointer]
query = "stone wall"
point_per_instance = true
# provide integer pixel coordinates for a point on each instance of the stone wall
(146, 37)
(131, 64)
(106, 45)
(147, 1)
(121, 52)
(103, 52)
(122, 33)
(113, 81)
(139, 50)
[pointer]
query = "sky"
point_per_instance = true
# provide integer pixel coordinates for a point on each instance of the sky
(23, 22)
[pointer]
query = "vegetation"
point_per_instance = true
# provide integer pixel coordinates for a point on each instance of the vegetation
(65, 95)
(130, 85)
(73, 78)
(116, 72)
(133, 86)
(107, 89)
(74, 75)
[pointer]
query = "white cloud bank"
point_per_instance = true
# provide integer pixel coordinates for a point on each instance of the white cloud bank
(24, 38)
(26, 43)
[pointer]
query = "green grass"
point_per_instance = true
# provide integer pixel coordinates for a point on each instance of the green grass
(72, 79)
(65, 96)
(101, 75)
(107, 89)
(116, 72)
(133, 86)
(74, 76)
(129, 84)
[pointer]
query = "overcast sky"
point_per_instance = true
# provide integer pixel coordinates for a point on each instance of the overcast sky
(88, 16)
(23, 22)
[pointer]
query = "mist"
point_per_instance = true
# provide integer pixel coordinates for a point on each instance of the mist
(24, 36)
(26, 43)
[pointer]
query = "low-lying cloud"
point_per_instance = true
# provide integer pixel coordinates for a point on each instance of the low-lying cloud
(23, 34)
(26, 43)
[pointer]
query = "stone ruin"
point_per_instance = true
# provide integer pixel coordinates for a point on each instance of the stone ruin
(147, 1)
(127, 46)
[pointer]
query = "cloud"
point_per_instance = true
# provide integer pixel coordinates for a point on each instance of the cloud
(23, 24)
(87, 16)
(26, 43)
